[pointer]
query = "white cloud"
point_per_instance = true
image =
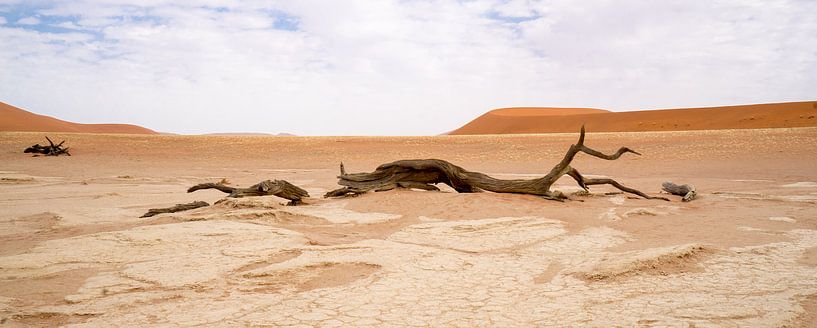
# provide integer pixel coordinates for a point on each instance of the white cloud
(2, 20)
(28, 21)
(398, 67)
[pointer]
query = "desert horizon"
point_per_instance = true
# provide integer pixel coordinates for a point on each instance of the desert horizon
(512, 120)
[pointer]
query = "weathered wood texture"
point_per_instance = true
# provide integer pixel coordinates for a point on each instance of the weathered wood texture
(174, 209)
(278, 188)
(50, 150)
(686, 191)
(424, 173)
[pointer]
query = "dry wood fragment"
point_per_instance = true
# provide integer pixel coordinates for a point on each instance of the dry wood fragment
(424, 173)
(50, 150)
(174, 209)
(686, 191)
(280, 188)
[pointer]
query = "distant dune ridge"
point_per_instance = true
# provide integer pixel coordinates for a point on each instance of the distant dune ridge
(16, 119)
(521, 120)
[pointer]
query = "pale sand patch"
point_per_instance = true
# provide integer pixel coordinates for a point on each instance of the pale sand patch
(336, 212)
(659, 210)
(552, 270)
(642, 211)
(782, 219)
(107, 283)
(428, 219)
(167, 255)
(293, 170)
(308, 277)
(799, 198)
(807, 318)
(801, 184)
(483, 288)
(750, 180)
(28, 290)
(15, 178)
(609, 215)
(80, 216)
(700, 303)
(567, 189)
(480, 235)
(760, 196)
(739, 194)
(618, 200)
(282, 256)
(809, 257)
(612, 215)
(28, 224)
(315, 191)
(439, 286)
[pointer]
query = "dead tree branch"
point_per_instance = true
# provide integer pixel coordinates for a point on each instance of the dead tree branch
(278, 188)
(50, 150)
(174, 209)
(424, 173)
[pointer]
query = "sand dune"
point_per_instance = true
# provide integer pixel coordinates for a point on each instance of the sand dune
(550, 120)
(16, 119)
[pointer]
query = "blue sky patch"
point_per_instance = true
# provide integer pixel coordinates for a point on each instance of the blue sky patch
(284, 21)
(510, 19)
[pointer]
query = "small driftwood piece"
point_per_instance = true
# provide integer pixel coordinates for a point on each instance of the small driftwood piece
(424, 173)
(174, 209)
(50, 150)
(278, 188)
(686, 191)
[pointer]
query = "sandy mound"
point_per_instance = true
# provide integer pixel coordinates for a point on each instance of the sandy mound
(657, 261)
(549, 120)
(16, 119)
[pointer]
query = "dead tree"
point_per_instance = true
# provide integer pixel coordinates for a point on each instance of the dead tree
(174, 209)
(50, 150)
(424, 173)
(278, 188)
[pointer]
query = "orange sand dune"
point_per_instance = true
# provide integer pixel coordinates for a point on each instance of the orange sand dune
(540, 111)
(16, 119)
(550, 120)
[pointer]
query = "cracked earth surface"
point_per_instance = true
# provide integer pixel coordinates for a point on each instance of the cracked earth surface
(75, 253)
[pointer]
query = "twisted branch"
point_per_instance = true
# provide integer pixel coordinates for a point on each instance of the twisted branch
(424, 173)
(280, 188)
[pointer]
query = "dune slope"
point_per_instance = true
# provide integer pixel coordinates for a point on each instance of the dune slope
(550, 120)
(16, 119)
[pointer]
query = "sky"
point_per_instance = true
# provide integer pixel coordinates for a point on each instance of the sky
(401, 67)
